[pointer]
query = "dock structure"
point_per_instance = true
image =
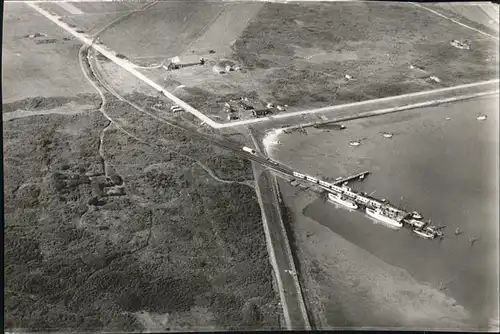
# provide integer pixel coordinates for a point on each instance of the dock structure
(359, 176)
(364, 200)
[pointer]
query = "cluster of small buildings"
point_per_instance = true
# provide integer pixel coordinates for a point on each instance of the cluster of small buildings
(243, 106)
(225, 69)
(193, 60)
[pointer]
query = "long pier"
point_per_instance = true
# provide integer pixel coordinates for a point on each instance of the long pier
(359, 176)
(366, 201)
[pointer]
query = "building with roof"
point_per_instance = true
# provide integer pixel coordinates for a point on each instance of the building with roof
(183, 61)
(218, 69)
(260, 112)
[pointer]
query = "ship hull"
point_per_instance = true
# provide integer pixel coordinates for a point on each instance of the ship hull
(423, 234)
(347, 204)
(382, 218)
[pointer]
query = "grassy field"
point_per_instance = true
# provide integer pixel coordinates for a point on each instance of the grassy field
(226, 27)
(298, 54)
(386, 38)
(42, 66)
(94, 7)
(164, 30)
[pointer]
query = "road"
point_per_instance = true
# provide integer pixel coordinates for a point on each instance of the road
(295, 314)
(387, 107)
(393, 104)
(403, 102)
(277, 239)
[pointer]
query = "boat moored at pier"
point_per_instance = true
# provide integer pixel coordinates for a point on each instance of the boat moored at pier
(416, 215)
(339, 199)
(383, 215)
(417, 223)
(424, 234)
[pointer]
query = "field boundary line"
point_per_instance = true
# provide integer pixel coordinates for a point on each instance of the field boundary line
(491, 12)
(455, 21)
(69, 7)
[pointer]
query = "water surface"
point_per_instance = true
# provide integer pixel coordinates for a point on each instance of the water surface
(441, 161)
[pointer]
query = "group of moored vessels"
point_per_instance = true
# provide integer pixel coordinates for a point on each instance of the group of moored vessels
(392, 216)
(423, 229)
(380, 210)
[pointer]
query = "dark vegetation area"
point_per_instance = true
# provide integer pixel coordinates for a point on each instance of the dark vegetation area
(384, 38)
(173, 239)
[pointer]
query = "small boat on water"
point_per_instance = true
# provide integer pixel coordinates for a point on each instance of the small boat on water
(417, 223)
(339, 199)
(433, 230)
(416, 215)
(424, 234)
(381, 215)
(354, 143)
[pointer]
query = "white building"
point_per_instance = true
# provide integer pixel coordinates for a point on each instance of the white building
(187, 60)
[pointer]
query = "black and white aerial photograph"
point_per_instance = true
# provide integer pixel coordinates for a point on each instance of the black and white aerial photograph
(227, 165)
